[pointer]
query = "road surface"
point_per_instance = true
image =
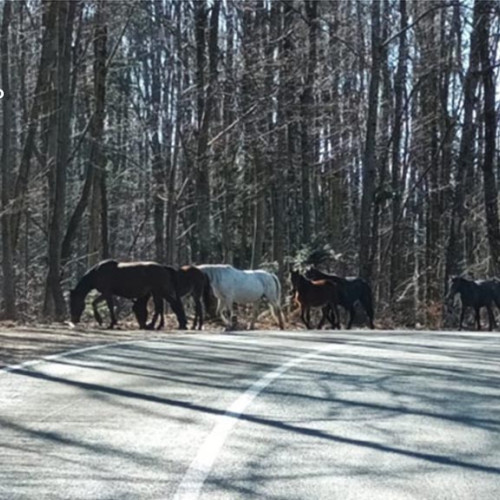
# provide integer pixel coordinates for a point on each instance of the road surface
(280, 415)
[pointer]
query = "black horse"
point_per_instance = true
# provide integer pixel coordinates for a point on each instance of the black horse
(188, 280)
(316, 293)
(476, 294)
(132, 280)
(351, 290)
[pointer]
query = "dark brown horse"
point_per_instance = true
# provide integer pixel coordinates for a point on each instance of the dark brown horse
(351, 290)
(132, 280)
(319, 293)
(189, 280)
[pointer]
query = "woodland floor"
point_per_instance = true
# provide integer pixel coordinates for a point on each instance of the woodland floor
(19, 343)
(24, 343)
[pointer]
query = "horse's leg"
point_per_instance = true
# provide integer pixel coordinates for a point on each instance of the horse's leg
(478, 317)
(158, 302)
(303, 315)
(178, 309)
(111, 307)
(198, 313)
(331, 317)
(325, 314)
(96, 301)
(367, 303)
(255, 310)
(158, 311)
(308, 317)
(278, 313)
(491, 318)
(352, 312)
(226, 305)
(462, 315)
(335, 310)
(140, 309)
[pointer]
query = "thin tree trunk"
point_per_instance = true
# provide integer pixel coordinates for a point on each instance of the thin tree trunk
(205, 108)
(21, 184)
(96, 133)
(455, 257)
(8, 284)
(307, 120)
(369, 159)
(58, 152)
(397, 188)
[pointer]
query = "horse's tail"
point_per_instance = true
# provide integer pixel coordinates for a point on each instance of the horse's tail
(277, 288)
(277, 311)
(207, 299)
(367, 300)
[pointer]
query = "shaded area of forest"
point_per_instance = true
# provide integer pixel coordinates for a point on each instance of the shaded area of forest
(251, 133)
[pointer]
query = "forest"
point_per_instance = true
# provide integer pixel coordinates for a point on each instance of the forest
(360, 136)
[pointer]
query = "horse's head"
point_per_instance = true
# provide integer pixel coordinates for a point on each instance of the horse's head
(456, 285)
(76, 305)
(313, 274)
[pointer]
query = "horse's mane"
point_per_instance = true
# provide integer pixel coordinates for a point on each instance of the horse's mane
(332, 277)
(215, 272)
(84, 282)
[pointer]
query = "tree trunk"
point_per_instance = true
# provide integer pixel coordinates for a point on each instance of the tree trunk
(58, 144)
(397, 187)
(455, 256)
(205, 108)
(8, 285)
(307, 121)
(369, 159)
(96, 134)
(490, 123)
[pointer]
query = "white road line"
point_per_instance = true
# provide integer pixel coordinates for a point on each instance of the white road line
(20, 366)
(197, 473)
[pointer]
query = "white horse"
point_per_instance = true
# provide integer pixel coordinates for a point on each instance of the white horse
(233, 285)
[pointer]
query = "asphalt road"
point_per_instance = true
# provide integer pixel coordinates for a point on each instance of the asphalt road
(281, 415)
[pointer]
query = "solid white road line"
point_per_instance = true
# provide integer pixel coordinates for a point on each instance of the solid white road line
(197, 473)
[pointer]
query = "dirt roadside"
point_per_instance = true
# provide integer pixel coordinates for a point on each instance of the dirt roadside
(25, 343)
(19, 343)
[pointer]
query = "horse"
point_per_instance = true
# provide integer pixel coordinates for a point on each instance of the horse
(351, 290)
(132, 280)
(189, 280)
(232, 285)
(476, 294)
(318, 293)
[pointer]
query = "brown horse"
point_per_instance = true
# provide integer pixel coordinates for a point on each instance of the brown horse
(132, 280)
(320, 293)
(351, 290)
(189, 280)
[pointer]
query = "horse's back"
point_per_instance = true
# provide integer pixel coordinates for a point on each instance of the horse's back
(133, 279)
(147, 264)
(104, 266)
(238, 285)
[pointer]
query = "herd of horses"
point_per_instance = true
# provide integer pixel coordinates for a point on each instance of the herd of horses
(142, 281)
